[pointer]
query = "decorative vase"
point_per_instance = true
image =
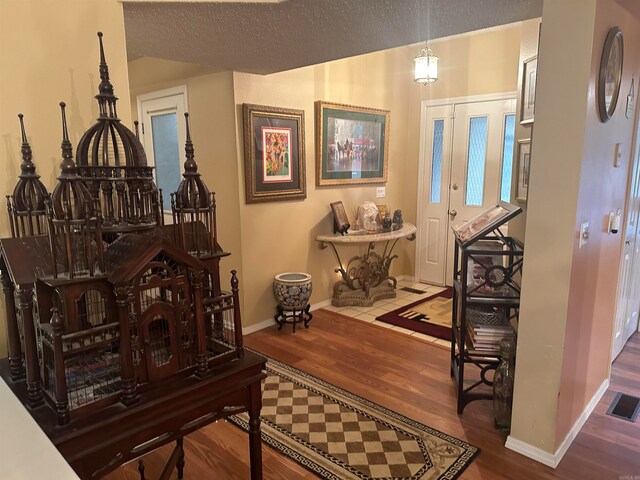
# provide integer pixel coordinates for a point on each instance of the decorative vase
(503, 385)
(292, 290)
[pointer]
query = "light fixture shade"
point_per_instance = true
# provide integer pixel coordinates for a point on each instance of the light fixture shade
(425, 67)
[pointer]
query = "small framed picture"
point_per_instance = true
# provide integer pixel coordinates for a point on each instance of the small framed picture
(529, 71)
(273, 153)
(340, 219)
(524, 162)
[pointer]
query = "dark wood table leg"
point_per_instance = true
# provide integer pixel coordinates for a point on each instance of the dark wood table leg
(180, 464)
(255, 441)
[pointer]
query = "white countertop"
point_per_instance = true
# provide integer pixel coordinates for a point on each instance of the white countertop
(25, 451)
(362, 236)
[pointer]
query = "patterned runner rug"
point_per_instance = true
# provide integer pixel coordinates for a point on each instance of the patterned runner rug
(431, 315)
(340, 436)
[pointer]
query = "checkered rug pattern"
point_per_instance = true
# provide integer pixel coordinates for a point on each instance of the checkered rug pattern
(340, 436)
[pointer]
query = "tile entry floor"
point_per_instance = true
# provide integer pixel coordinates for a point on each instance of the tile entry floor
(369, 314)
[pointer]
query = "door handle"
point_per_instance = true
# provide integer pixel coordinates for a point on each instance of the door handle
(628, 242)
(454, 186)
(453, 213)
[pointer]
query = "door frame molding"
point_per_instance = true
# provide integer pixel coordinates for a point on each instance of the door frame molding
(158, 94)
(422, 190)
(633, 176)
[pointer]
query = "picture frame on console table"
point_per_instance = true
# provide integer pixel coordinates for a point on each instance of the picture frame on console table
(340, 219)
(352, 144)
(274, 155)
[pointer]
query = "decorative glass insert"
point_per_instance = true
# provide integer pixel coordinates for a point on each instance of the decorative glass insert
(436, 160)
(507, 157)
(166, 155)
(477, 156)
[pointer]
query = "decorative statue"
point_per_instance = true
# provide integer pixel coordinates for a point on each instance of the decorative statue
(386, 223)
(397, 219)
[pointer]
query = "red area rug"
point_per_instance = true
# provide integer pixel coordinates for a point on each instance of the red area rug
(430, 315)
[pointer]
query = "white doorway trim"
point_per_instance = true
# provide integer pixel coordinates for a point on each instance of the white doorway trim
(627, 308)
(422, 156)
(158, 94)
(169, 100)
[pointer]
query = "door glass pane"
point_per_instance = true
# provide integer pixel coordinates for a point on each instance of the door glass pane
(507, 157)
(166, 154)
(436, 161)
(476, 160)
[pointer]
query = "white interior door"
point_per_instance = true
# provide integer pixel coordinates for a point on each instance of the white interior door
(467, 158)
(628, 304)
(163, 134)
(433, 221)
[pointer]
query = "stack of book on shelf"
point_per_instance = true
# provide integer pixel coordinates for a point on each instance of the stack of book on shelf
(485, 330)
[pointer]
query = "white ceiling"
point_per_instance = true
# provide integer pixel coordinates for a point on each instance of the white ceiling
(267, 36)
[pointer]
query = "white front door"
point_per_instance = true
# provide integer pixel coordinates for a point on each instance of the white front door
(163, 135)
(628, 304)
(467, 167)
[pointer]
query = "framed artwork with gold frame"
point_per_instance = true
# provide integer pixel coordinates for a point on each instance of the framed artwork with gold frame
(273, 153)
(352, 144)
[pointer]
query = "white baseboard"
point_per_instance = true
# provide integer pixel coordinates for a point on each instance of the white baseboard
(408, 278)
(553, 459)
(530, 451)
(270, 321)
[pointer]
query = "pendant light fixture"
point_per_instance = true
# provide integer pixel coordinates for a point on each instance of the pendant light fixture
(425, 66)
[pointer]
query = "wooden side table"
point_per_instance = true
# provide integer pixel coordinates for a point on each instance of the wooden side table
(96, 445)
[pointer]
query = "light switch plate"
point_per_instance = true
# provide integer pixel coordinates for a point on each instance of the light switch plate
(584, 234)
(617, 155)
(380, 192)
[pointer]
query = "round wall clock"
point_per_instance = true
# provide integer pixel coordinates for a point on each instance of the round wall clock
(610, 74)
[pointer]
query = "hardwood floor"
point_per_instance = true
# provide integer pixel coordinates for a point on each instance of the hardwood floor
(410, 376)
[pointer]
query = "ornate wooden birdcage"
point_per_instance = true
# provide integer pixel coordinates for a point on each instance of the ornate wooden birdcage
(103, 301)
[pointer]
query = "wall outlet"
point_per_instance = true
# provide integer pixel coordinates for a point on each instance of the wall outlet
(584, 234)
(380, 192)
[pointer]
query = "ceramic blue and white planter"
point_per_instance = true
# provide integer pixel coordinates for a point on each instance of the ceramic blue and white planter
(292, 290)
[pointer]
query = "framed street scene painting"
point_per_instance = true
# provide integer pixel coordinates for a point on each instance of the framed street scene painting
(273, 153)
(352, 144)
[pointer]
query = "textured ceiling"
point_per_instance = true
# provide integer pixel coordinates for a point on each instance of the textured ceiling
(271, 37)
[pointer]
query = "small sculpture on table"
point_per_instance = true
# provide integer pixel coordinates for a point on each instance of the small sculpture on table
(292, 292)
(397, 219)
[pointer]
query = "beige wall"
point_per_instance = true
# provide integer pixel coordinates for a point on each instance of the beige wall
(211, 110)
(594, 273)
(528, 48)
(568, 294)
(49, 52)
(280, 236)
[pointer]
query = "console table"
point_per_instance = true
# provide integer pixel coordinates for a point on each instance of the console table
(95, 445)
(365, 278)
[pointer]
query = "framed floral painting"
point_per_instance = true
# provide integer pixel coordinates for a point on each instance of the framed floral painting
(273, 153)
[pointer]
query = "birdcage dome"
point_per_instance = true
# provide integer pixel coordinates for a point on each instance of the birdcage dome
(192, 192)
(108, 143)
(71, 199)
(29, 194)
